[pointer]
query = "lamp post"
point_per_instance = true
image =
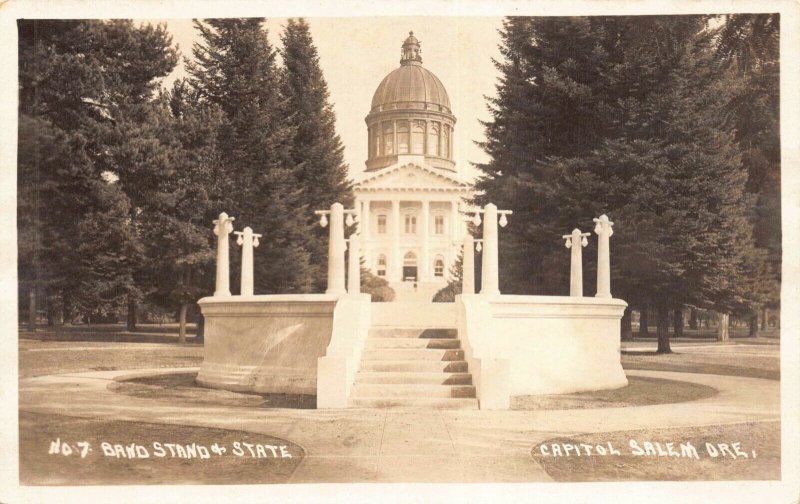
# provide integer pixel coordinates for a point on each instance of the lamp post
(489, 260)
(222, 228)
(336, 244)
(604, 231)
(248, 241)
(576, 241)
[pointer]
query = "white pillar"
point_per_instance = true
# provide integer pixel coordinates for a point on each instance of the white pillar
(425, 274)
(468, 266)
(454, 221)
(364, 223)
(222, 228)
(575, 242)
(354, 265)
(336, 246)
(248, 241)
(604, 231)
(489, 266)
(396, 271)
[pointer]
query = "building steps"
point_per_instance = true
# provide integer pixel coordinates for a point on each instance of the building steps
(407, 367)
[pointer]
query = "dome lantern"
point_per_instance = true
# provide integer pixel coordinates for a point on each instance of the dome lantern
(410, 54)
(410, 115)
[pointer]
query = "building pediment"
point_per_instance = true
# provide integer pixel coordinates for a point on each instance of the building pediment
(411, 177)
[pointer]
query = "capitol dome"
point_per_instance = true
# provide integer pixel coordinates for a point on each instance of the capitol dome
(410, 115)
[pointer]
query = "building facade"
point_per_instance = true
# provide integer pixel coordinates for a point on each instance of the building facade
(411, 197)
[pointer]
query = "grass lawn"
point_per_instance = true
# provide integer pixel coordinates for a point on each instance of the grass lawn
(38, 358)
(39, 467)
(723, 363)
(638, 392)
(763, 438)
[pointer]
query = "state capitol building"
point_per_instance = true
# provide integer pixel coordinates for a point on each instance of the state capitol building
(410, 196)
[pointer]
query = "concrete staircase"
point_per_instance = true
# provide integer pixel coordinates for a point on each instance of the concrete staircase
(413, 367)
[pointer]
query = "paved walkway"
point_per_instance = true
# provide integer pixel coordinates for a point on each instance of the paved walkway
(360, 445)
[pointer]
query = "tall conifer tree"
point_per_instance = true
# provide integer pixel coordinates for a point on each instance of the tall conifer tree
(234, 69)
(316, 149)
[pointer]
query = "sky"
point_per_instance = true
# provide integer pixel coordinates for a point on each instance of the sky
(356, 53)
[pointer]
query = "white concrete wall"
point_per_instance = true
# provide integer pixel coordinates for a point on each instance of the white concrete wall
(414, 314)
(337, 369)
(553, 344)
(267, 343)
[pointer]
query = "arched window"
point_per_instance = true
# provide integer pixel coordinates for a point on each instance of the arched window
(433, 139)
(381, 224)
(381, 265)
(446, 142)
(388, 139)
(438, 266)
(402, 137)
(409, 259)
(418, 137)
(411, 224)
(438, 224)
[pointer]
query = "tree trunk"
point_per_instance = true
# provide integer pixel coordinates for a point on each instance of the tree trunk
(182, 323)
(131, 326)
(626, 332)
(723, 333)
(32, 310)
(753, 331)
(765, 319)
(662, 330)
(677, 322)
(201, 329)
(693, 318)
(643, 331)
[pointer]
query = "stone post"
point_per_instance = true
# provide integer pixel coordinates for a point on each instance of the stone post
(222, 228)
(336, 246)
(576, 241)
(354, 265)
(489, 266)
(604, 231)
(468, 266)
(395, 273)
(248, 241)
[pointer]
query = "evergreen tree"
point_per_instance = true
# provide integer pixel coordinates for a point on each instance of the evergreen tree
(659, 158)
(79, 81)
(316, 149)
(234, 69)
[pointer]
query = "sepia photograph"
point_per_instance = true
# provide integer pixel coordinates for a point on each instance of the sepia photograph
(267, 249)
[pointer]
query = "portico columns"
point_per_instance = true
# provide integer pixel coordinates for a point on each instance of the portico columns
(364, 224)
(454, 220)
(396, 272)
(424, 275)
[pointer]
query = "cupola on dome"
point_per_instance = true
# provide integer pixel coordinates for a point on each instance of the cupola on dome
(411, 85)
(410, 114)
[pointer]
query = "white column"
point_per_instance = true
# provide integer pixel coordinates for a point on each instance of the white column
(336, 246)
(468, 269)
(354, 265)
(222, 228)
(489, 266)
(396, 270)
(365, 228)
(604, 232)
(575, 242)
(455, 220)
(248, 241)
(425, 274)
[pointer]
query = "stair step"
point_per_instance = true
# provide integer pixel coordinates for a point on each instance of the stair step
(421, 354)
(411, 390)
(441, 343)
(412, 377)
(414, 402)
(429, 366)
(412, 332)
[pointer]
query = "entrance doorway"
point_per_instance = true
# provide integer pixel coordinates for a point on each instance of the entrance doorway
(410, 267)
